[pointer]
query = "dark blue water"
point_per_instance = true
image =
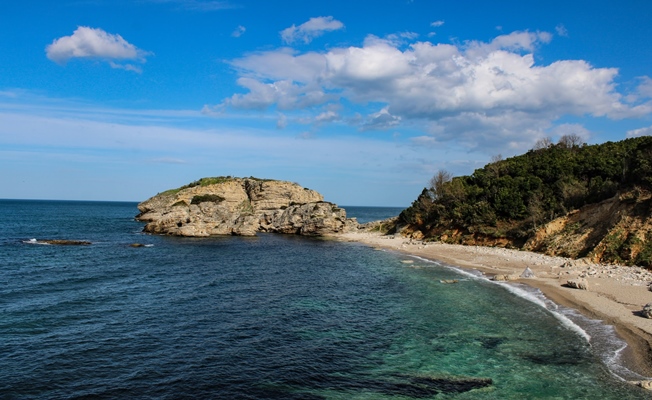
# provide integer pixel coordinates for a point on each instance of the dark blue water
(271, 317)
(368, 214)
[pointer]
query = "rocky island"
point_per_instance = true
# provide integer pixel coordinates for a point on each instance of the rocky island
(243, 207)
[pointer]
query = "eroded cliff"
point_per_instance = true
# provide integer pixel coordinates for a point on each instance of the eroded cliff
(242, 206)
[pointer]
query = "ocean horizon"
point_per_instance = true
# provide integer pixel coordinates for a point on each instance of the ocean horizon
(273, 317)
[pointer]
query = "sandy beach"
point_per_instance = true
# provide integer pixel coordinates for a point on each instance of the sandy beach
(616, 294)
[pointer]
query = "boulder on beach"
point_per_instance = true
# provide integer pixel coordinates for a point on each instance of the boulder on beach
(647, 310)
(527, 273)
(581, 284)
(505, 277)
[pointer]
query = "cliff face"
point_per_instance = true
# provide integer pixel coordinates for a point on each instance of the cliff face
(617, 230)
(242, 206)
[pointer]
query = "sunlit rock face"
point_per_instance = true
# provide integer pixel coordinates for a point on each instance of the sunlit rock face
(242, 206)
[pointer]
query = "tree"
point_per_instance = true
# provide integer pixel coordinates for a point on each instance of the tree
(570, 141)
(438, 181)
(543, 143)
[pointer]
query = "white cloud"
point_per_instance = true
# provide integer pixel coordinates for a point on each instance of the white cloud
(311, 29)
(640, 132)
(95, 43)
(645, 87)
(485, 94)
(561, 30)
(381, 120)
(437, 24)
(327, 116)
(571, 129)
(282, 121)
(239, 31)
(285, 94)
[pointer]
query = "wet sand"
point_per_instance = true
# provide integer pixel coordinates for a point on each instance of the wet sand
(615, 294)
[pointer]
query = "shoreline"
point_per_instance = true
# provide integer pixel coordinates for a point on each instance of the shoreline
(615, 294)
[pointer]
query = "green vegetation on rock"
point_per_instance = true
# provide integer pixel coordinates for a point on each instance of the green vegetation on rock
(512, 198)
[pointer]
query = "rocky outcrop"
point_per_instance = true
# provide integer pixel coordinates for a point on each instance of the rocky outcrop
(242, 206)
(616, 230)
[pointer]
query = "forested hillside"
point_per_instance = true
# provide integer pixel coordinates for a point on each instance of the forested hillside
(597, 198)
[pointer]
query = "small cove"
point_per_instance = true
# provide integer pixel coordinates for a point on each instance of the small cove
(262, 318)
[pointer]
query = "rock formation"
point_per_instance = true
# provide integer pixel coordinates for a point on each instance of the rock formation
(242, 206)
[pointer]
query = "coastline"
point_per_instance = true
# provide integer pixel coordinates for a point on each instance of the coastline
(616, 294)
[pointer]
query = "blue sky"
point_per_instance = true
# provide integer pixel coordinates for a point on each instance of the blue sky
(363, 101)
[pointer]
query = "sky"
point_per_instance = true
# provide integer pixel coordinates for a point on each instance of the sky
(363, 101)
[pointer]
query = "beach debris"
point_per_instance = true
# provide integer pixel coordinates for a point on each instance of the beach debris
(527, 273)
(581, 284)
(647, 311)
(448, 281)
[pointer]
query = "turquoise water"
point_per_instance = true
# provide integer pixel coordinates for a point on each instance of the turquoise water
(271, 317)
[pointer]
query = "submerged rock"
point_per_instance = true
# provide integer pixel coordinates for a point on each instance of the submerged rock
(60, 242)
(242, 206)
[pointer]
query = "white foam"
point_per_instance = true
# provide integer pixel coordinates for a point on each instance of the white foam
(538, 299)
(606, 342)
(535, 297)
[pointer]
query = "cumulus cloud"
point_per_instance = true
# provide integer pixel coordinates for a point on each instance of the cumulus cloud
(311, 29)
(481, 93)
(437, 24)
(640, 132)
(94, 43)
(239, 31)
(285, 94)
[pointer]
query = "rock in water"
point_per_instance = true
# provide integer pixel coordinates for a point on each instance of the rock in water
(242, 206)
(61, 242)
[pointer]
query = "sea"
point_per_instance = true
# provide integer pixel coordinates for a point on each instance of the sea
(273, 317)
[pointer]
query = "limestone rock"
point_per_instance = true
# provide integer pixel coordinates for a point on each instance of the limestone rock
(644, 384)
(242, 206)
(527, 273)
(505, 277)
(647, 310)
(577, 284)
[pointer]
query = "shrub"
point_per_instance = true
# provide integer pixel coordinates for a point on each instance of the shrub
(204, 198)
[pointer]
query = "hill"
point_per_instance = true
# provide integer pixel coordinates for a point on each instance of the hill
(568, 199)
